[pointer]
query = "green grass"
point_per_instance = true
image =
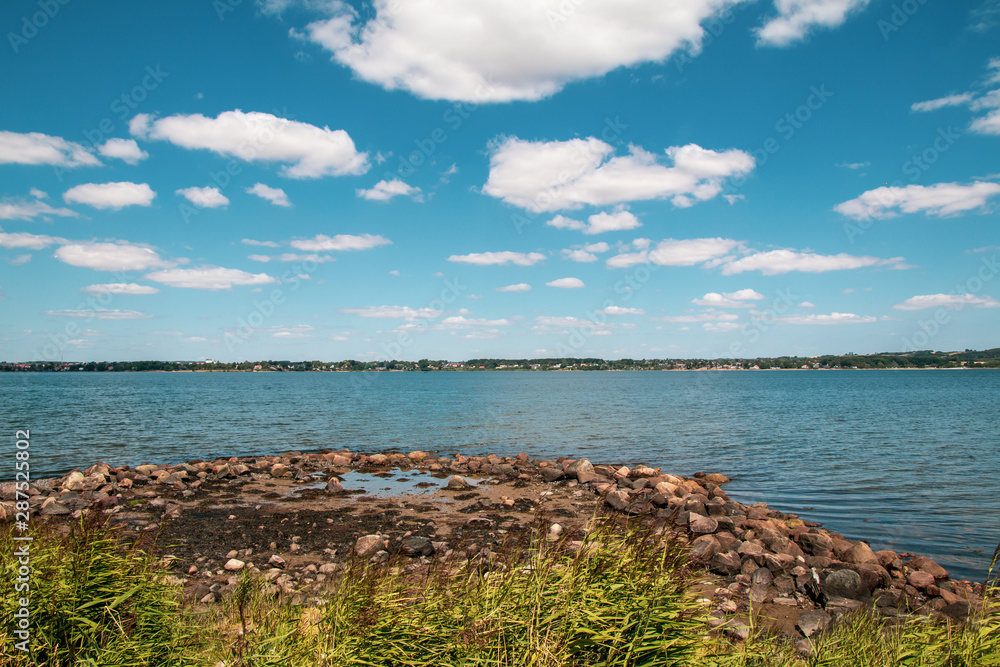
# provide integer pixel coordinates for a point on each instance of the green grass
(622, 599)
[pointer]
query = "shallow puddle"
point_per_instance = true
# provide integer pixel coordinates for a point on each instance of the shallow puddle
(384, 485)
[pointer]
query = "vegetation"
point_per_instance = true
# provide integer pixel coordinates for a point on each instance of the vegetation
(921, 359)
(619, 599)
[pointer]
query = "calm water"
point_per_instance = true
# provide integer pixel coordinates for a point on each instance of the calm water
(906, 459)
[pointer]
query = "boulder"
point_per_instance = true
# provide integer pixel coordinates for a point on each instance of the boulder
(843, 584)
(618, 500)
(417, 456)
(279, 470)
(368, 546)
(920, 579)
(861, 554)
(457, 483)
(815, 544)
(552, 473)
(716, 478)
(727, 564)
(642, 472)
(704, 547)
(416, 546)
(929, 566)
(580, 466)
(234, 565)
(74, 481)
(276, 561)
(377, 460)
(334, 487)
(700, 524)
(811, 622)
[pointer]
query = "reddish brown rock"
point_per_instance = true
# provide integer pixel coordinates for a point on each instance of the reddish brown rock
(920, 579)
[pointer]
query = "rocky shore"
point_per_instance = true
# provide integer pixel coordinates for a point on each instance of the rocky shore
(299, 518)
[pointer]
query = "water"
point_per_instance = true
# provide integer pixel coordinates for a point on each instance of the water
(908, 460)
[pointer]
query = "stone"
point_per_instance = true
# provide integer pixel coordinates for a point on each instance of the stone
(234, 565)
(920, 579)
(378, 459)
(580, 466)
(457, 483)
(416, 546)
(276, 561)
(716, 478)
(368, 546)
(668, 489)
(417, 456)
(74, 481)
(334, 487)
(552, 473)
(701, 525)
(761, 577)
(815, 544)
(618, 500)
(279, 470)
(53, 508)
(843, 584)
(340, 461)
(861, 554)
(886, 558)
(727, 564)
(811, 622)
(641, 472)
(704, 547)
(929, 566)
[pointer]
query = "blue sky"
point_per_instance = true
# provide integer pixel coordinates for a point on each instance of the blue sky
(445, 179)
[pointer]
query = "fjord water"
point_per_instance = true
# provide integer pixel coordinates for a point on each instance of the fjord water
(908, 460)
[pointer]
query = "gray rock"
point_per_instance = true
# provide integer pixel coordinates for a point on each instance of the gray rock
(618, 500)
(580, 466)
(234, 565)
(815, 544)
(276, 561)
(552, 473)
(811, 622)
(701, 525)
(843, 584)
(368, 546)
(726, 564)
(333, 487)
(704, 547)
(457, 483)
(417, 546)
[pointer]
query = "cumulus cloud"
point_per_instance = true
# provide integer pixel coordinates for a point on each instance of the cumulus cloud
(386, 190)
(738, 299)
(120, 256)
(306, 150)
(832, 318)
(619, 220)
(266, 244)
(100, 314)
(585, 253)
(566, 283)
(720, 327)
(949, 301)
(394, 312)
(37, 148)
(775, 262)
(125, 150)
(551, 175)
(499, 258)
(212, 278)
(323, 243)
(276, 196)
(797, 18)
(26, 240)
(942, 102)
(503, 50)
(112, 196)
(120, 288)
(207, 197)
(621, 310)
(27, 209)
(709, 315)
(940, 199)
(671, 252)
(518, 287)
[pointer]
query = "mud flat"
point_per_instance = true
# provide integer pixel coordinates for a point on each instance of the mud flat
(299, 518)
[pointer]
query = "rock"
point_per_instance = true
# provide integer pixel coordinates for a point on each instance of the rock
(340, 461)
(958, 611)
(456, 483)
(74, 481)
(872, 576)
(377, 460)
(861, 554)
(716, 478)
(920, 579)
(815, 544)
(552, 473)
(700, 525)
(667, 489)
(368, 546)
(52, 508)
(929, 566)
(843, 584)
(276, 561)
(643, 472)
(279, 470)
(704, 547)
(580, 466)
(727, 564)
(761, 577)
(886, 558)
(234, 565)
(811, 622)
(416, 546)
(333, 487)
(417, 456)
(618, 500)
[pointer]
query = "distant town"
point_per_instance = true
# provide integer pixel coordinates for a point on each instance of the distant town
(920, 359)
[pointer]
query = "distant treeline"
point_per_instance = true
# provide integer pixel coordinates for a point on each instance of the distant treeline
(920, 359)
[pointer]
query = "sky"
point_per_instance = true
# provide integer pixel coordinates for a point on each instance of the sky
(406, 179)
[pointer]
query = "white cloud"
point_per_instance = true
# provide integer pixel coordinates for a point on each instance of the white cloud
(940, 199)
(114, 196)
(120, 288)
(26, 209)
(775, 262)
(709, 315)
(942, 102)
(738, 299)
(499, 258)
(323, 243)
(306, 150)
(119, 256)
(20, 259)
(832, 318)
(207, 197)
(720, 327)
(686, 252)
(311, 257)
(208, 278)
(37, 148)
(394, 312)
(386, 190)
(797, 18)
(266, 244)
(519, 287)
(549, 176)
(101, 314)
(621, 310)
(124, 149)
(579, 255)
(854, 165)
(26, 240)
(276, 196)
(562, 222)
(949, 301)
(611, 222)
(807, 304)
(503, 50)
(566, 283)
